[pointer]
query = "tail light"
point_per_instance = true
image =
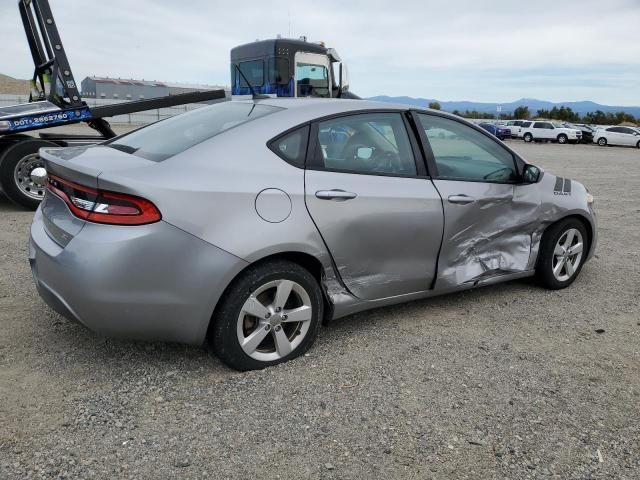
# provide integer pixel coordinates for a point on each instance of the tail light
(103, 207)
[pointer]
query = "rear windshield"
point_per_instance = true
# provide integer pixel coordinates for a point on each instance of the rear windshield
(167, 138)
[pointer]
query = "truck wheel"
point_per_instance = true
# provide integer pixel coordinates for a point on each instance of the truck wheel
(562, 138)
(602, 142)
(527, 137)
(16, 164)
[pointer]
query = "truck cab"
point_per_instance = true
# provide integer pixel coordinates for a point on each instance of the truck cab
(285, 67)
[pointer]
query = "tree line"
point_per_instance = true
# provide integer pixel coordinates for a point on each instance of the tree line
(564, 114)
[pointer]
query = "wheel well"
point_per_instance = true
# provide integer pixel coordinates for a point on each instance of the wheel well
(306, 261)
(584, 221)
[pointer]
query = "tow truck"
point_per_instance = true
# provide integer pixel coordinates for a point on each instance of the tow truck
(276, 67)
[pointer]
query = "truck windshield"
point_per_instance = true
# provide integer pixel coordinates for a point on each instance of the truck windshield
(167, 138)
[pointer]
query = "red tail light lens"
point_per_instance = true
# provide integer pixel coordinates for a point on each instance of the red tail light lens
(103, 207)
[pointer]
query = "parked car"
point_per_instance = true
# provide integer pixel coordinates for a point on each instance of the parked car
(514, 127)
(625, 136)
(246, 224)
(587, 132)
(499, 132)
(550, 131)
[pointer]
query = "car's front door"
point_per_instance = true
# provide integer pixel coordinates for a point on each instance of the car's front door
(488, 221)
(379, 215)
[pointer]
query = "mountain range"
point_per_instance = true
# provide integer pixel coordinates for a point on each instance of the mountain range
(508, 107)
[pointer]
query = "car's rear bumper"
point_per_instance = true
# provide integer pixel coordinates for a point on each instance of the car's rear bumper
(151, 282)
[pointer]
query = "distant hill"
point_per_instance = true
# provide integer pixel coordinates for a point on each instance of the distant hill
(13, 86)
(508, 107)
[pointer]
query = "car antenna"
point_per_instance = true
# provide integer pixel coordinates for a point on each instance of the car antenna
(254, 95)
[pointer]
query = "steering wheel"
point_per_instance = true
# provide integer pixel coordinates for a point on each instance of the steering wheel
(494, 174)
(386, 162)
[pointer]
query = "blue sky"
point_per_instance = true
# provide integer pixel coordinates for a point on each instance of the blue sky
(491, 50)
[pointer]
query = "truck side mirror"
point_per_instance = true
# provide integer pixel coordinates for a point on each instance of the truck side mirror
(344, 77)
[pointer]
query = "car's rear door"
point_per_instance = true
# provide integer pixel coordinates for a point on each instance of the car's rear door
(489, 217)
(377, 211)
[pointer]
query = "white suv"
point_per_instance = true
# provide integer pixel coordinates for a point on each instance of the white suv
(514, 126)
(549, 131)
(617, 136)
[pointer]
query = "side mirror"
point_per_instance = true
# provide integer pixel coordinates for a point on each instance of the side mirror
(531, 174)
(344, 77)
(364, 153)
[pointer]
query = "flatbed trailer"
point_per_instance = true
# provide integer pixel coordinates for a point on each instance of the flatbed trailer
(55, 101)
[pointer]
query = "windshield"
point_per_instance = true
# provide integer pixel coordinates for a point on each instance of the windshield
(167, 138)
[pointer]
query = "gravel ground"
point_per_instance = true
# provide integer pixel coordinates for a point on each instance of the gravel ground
(509, 381)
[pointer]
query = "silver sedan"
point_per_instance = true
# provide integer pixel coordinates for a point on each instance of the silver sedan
(245, 225)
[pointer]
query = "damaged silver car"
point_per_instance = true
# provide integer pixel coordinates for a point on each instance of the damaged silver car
(245, 224)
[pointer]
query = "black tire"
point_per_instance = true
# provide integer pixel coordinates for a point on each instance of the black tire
(638, 144)
(602, 142)
(527, 137)
(562, 138)
(13, 154)
(223, 337)
(544, 267)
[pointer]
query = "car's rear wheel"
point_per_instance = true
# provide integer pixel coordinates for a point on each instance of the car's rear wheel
(562, 138)
(602, 142)
(270, 314)
(527, 137)
(638, 144)
(16, 164)
(562, 253)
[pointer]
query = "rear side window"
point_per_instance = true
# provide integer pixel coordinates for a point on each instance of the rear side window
(292, 146)
(167, 138)
(369, 143)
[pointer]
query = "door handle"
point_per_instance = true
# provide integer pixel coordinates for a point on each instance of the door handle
(461, 199)
(339, 195)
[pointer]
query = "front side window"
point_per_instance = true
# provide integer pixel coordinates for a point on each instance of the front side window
(313, 80)
(161, 140)
(462, 153)
(371, 143)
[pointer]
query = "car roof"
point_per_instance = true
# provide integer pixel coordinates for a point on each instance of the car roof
(318, 107)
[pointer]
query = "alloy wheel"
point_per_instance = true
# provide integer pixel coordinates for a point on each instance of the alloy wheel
(567, 255)
(274, 320)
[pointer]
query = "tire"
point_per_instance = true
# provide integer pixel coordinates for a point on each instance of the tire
(527, 137)
(602, 142)
(22, 154)
(256, 290)
(553, 254)
(562, 139)
(638, 144)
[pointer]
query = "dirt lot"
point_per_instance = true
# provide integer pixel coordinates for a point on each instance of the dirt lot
(510, 381)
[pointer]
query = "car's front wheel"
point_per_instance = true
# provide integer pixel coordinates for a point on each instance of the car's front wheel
(563, 250)
(638, 144)
(270, 314)
(562, 138)
(602, 142)
(527, 137)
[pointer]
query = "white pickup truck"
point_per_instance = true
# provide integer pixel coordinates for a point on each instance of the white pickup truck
(549, 131)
